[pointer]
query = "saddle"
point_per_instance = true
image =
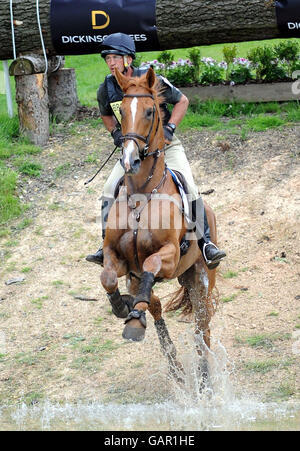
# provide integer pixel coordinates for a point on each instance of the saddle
(182, 188)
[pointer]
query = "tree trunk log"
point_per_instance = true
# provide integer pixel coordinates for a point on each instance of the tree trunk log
(180, 23)
(63, 100)
(32, 100)
(35, 64)
(188, 23)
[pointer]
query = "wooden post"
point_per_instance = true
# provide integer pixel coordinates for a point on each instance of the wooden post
(32, 100)
(35, 92)
(8, 90)
(62, 91)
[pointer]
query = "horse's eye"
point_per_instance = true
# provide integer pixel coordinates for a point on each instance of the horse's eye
(149, 113)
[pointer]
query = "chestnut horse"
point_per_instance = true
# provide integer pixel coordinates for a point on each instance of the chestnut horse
(136, 245)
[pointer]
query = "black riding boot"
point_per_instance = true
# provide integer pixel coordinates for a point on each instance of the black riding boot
(106, 206)
(211, 253)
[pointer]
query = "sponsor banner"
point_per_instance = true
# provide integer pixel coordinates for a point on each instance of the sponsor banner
(288, 17)
(79, 26)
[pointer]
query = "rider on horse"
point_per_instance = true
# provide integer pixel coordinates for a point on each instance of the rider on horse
(119, 52)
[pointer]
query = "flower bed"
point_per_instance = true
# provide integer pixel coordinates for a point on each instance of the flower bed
(265, 64)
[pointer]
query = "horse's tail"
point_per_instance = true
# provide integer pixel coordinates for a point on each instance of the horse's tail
(180, 300)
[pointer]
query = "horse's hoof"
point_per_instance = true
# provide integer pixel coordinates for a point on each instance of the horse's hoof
(135, 333)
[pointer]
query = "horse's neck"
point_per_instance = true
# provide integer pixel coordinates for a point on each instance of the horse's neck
(140, 183)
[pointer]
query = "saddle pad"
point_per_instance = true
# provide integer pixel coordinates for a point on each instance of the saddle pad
(182, 189)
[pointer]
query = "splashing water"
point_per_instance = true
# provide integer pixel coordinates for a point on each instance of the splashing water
(214, 408)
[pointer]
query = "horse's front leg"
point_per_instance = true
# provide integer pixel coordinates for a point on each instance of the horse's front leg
(162, 264)
(113, 269)
(167, 346)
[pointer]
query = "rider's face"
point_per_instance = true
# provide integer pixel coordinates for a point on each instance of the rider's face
(116, 62)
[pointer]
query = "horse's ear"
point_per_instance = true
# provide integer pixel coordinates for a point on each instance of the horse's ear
(121, 79)
(150, 77)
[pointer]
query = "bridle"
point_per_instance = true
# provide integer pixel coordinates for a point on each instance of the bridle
(143, 152)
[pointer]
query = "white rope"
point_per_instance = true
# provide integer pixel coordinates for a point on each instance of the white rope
(12, 28)
(41, 35)
(40, 30)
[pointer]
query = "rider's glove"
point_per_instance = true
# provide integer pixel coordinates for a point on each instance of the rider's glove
(169, 130)
(117, 136)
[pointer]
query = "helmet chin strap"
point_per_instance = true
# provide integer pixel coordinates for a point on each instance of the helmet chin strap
(126, 65)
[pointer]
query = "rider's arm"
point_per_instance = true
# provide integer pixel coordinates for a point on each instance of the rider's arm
(174, 96)
(106, 112)
(109, 122)
(179, 110)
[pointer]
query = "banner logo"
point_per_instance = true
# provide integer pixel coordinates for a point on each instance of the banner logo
(288, 17)
(94, 20)
(78, 27)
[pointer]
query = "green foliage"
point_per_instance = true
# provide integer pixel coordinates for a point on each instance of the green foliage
(288, 53)
(212, 75)
(229, 53)
(195, 58)
(166, 58)
(265, 63)
(181, 75)
(240, 75)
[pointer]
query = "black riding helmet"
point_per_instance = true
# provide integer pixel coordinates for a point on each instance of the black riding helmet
(118, 44)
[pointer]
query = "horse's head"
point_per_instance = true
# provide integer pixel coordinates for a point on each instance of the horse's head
(140, 119)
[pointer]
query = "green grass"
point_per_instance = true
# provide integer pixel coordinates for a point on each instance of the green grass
(283, 392)
(10, 205)
(229, 298)
(262, 367)
(230, 274)
(62, 169)
(262, 340)
(18, 153)
(241, 117)
(262, 123)
(38, 302)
